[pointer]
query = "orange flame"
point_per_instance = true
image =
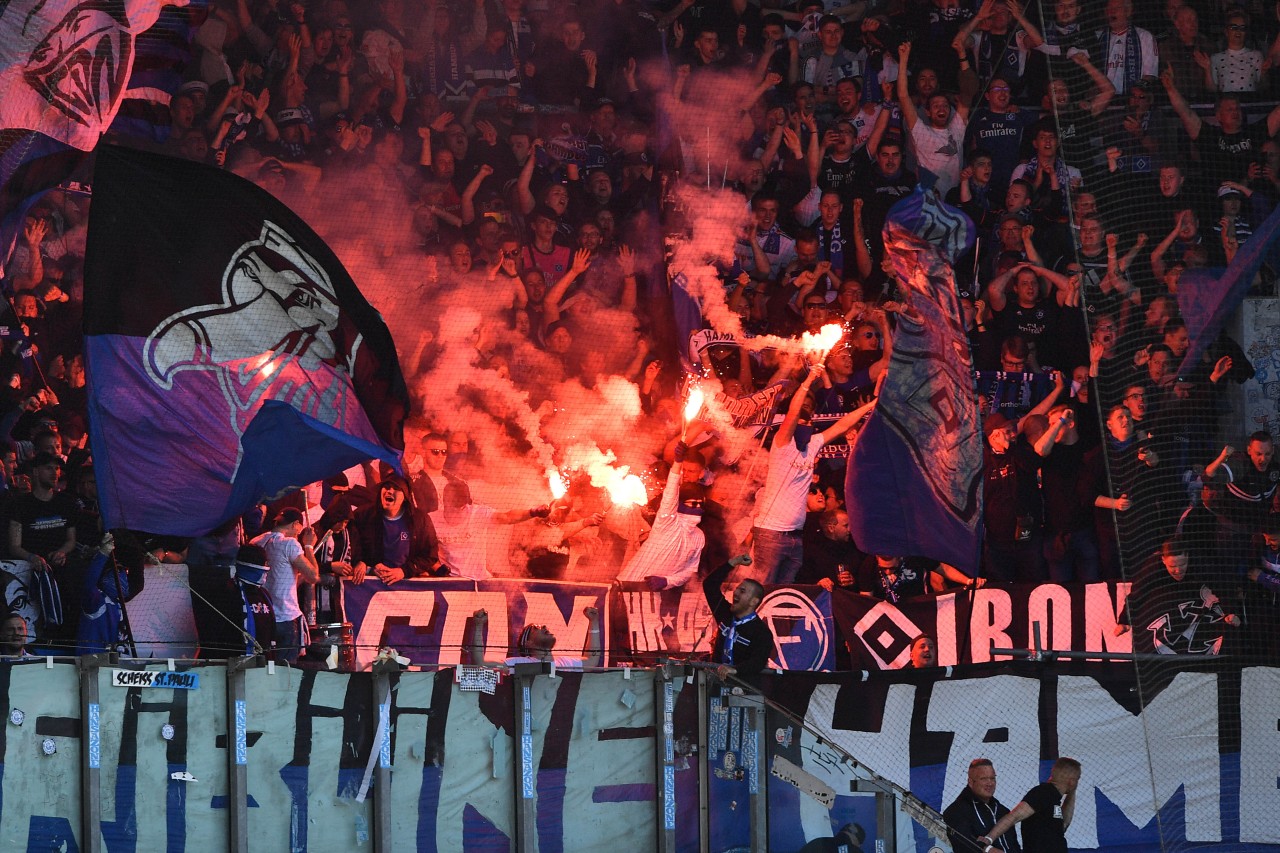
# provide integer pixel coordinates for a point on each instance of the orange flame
(627, 489)
(694, 404)
(821, 342)
(557, 484)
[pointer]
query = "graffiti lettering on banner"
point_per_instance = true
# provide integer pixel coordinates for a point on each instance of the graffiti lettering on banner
(425, 620)
(476, 679)
(675, 622)
(752, 410)
(150, 678)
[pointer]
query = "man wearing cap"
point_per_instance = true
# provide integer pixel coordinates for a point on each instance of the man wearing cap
(393, 538)
(1238, 229)
(290, 558)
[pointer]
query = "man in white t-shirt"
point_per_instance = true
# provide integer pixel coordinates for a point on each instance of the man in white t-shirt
(937, 137)
(463, 528)
(289, 546)
(782, 503)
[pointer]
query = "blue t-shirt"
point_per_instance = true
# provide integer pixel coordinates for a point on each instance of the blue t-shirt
(395, 541)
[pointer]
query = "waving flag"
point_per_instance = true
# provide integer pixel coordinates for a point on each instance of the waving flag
(230, 356)
(914, 483)
(64, 65)
(1207, 297)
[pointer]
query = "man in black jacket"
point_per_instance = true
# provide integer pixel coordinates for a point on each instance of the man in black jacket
(976, 811)
(744, 642)
(393, 539)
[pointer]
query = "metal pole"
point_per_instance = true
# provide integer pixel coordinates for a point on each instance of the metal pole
(526, 771)
(382, 836)
(704, 764)
(238, 753)
(664, 706)
(753, 730)
(91, 755)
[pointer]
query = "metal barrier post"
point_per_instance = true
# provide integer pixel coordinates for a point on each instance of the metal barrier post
(526, 768)
(664, 707)
(382, 841)
(704, 763)
(238, 753)
(91, 754)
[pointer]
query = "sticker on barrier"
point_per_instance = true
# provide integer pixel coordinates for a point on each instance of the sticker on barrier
(150, 678)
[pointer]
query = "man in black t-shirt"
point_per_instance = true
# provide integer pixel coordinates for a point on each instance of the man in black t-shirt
(42, 522)
(1229, 149)
(42, 531)
(1045, 812)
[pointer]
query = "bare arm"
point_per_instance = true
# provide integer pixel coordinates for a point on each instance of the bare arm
(593, 650)
(1210, 471)
(1106, 90)
(469, 194)
(877, 133)
(305, 563)
(847, 422)
(627, 260)
(551, 302)
(788, 427)
(1017, 814)
(524, 194)
(1044, 446)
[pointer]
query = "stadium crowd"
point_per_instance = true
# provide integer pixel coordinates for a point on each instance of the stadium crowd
(529, 143)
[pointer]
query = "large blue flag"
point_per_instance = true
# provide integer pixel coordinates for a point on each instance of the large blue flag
(230, 356)
(914, 483)
(1207, 297)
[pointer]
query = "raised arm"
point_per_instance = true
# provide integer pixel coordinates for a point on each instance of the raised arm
(1106, 90)
(788, 427)
(551, 302)
(847, 422)
(593, 648)
(909, 115)
(1190, 120)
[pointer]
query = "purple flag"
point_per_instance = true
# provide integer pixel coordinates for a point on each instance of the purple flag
(914, 484)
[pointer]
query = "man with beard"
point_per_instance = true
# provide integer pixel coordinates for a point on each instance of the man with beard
(42, 531)
(393, 538)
